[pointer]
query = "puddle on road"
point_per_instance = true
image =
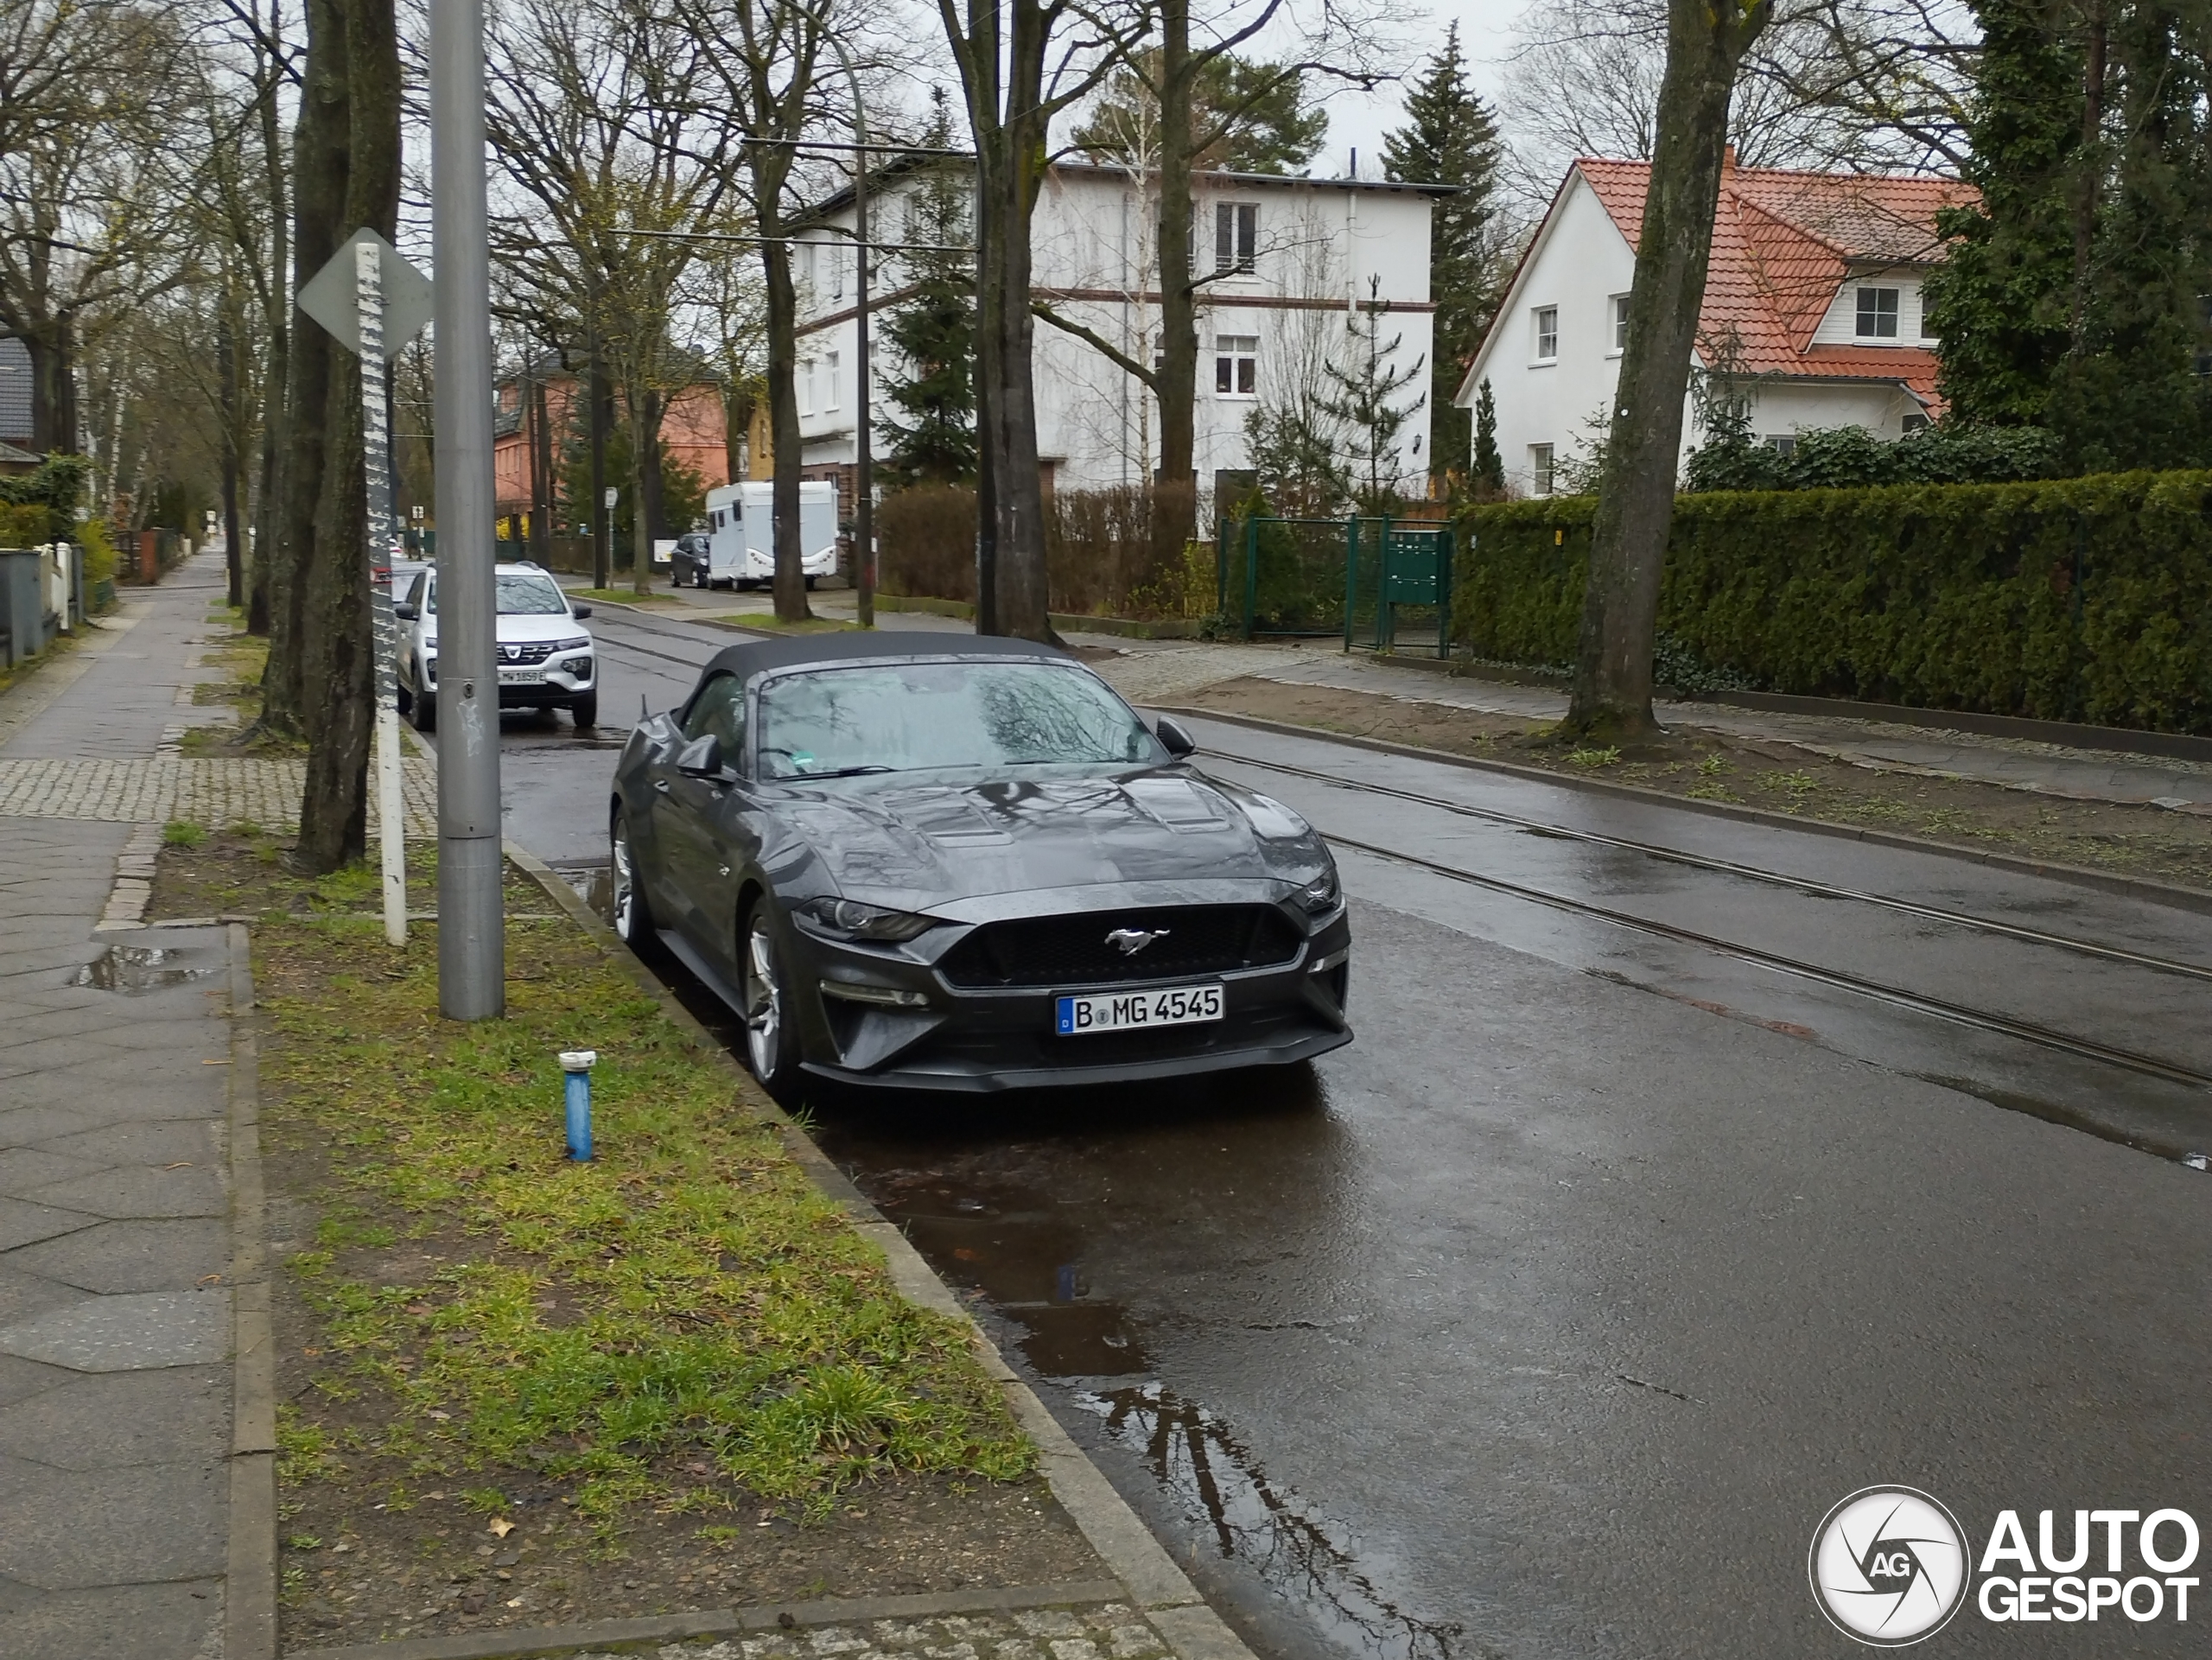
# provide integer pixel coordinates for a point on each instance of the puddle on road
(983, 1198)
(1024, 1249)
(1226, 1497)
(137, 968)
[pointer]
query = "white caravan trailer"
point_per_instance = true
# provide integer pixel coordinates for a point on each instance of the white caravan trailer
(740, 544)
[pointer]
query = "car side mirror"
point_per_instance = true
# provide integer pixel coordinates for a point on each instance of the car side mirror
(579, 612)
(701, 758)
(1178, 742)
(407, 613)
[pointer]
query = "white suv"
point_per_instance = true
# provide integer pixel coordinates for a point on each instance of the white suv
(545, 656)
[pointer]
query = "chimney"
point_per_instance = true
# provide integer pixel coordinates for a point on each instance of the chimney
(1728, 159)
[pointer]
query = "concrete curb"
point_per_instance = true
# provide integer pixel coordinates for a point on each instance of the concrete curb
(620, 1634)
(1152, 1581)
(2138, 887)
(250, 1583)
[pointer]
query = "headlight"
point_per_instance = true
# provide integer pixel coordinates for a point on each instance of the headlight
(850, 919)
(571, 644)
(1321, 895)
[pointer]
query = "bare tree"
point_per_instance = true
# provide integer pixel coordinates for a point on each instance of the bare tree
(95, 156)
(1860, 85)
(1021, 64)
(607, 120)
(1707, 42)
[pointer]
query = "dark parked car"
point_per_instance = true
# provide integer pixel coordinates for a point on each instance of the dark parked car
(688, 563)
(967, 864)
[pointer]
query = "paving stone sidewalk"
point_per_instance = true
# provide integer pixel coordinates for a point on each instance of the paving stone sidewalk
(116, 1405)
(1108, 1632)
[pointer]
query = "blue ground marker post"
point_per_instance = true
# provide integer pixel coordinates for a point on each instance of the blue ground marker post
(577, 1065)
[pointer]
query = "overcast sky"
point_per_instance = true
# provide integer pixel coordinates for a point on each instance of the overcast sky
(1485, 36)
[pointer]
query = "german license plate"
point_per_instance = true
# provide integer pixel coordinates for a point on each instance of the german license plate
(1118, 1011)
(521, 676)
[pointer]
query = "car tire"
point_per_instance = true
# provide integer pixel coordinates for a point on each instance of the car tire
(811, 581)
(585, 711)
(403, 698)
(699, 578)
(426, 711)
(764, 990)
(632, 916)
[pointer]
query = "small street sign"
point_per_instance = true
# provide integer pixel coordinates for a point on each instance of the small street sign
(332, 296)
(614, 496)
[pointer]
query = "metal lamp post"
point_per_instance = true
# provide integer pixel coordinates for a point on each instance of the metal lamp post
(863, 459)
(472, 939)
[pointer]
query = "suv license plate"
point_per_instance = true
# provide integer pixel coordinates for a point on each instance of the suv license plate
(1118, 1011)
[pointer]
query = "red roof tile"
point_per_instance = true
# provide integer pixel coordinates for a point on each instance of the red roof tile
(1782, 244)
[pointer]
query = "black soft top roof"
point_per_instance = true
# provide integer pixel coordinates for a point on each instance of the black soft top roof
(754, 657)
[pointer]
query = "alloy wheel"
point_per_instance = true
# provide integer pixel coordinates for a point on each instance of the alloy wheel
(763, 1001)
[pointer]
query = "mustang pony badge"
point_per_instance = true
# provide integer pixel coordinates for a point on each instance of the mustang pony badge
(1130, 941)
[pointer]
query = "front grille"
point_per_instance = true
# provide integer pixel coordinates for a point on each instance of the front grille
(1065, 952)
(528, 652)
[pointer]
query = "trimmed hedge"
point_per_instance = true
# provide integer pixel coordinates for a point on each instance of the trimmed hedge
(2081, 599)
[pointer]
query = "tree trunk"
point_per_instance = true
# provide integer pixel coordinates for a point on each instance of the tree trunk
(1178, 373)
(646, 410)
(53, 385)
(782, 428)
(1011, 161)
(2089, 162)
(319, 166)
(1612, 701)
(338, 708)
(544, 488)
(276, 369)
(228, 348)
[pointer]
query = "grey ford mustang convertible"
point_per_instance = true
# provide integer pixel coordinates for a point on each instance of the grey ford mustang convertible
(926, 863)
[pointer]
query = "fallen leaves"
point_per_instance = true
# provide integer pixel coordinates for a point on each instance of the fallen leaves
(499, 1527)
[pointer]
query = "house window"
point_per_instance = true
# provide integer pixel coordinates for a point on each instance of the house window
(1877, 314)
(1540, 470)
(836, 271)
(1235, 237)
(1783, 444)
(1915, 423)
(830, 381)
(1620, 322)
(806, 386)
(1547, 338)
(1236, 365)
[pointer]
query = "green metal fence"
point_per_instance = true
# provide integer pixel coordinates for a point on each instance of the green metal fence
(1376, 583)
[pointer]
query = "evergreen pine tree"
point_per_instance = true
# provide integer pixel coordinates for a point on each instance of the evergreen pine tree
(930, 375)
(2002, 300)
(1364, 401)
(1450, 137)
(1490, 466)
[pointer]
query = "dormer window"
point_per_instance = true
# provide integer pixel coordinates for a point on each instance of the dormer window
(1877, 314)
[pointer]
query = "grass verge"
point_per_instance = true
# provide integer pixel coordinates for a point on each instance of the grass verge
(1780, 777)
(680, 1320)
(518, 1389)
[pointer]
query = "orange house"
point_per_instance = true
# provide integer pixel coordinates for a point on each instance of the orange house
(692, 430)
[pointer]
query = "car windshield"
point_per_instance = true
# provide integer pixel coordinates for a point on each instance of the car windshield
(522, 594)
(912, 717)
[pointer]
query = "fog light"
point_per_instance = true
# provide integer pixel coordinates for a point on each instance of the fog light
(883, 996)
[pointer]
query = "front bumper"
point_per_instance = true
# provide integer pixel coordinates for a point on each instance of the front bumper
(970, 1040)
(566, 678)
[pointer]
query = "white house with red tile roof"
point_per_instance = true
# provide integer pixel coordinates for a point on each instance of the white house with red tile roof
(1813, 298)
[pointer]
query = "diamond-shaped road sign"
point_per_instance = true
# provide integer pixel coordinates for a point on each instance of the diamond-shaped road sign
(331, 296)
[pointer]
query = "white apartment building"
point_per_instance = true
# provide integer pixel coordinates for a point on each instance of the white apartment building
(1286, 260)
(1813, 298)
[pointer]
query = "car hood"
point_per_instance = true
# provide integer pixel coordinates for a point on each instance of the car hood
(919, 846)
(516, 628)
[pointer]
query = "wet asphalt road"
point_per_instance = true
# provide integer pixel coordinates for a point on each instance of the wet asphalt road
(1549, 1317)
